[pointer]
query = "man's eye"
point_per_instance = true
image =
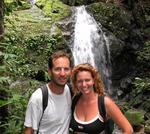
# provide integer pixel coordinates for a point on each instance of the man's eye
(62, 69)
(66, 69)
(57, 69)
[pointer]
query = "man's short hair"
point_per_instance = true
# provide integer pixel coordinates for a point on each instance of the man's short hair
(57, 55)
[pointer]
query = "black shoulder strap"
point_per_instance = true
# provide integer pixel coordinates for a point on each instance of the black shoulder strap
(44, 102)
(74, 101)
(101, 106)
(70, 88)
(44, 96)
(71, 92)
(109, 123)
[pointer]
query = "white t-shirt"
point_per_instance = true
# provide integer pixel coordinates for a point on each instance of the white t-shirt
(56, 117)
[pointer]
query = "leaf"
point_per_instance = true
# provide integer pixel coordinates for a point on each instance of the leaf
(4, 103)
(4, 79)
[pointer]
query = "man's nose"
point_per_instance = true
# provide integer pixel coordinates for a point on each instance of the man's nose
(62, 72)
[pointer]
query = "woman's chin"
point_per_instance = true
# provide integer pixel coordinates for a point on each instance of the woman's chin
(87, 91)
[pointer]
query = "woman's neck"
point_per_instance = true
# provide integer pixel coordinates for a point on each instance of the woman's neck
(89, 97)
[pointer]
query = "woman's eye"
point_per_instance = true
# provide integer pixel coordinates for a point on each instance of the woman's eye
(81, 81)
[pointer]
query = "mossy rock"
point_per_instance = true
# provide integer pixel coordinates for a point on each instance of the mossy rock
(29, 41)
(136, 118)
(11, 5)
(28, 22)
(54, 9)
(112, 17)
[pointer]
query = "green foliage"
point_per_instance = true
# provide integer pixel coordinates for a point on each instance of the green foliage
(143, 56)
(11, 5)
(3, 79)
(135, 117)
(26, 45)
(16, 104)
(112, 17)
(41, 44)
(54, 9)
(141, 85)
(25, 51)
(141, 93)
(22, 55)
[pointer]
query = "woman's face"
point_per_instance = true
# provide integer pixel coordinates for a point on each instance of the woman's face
(85, 82)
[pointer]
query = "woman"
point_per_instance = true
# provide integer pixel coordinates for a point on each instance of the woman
(86, 117)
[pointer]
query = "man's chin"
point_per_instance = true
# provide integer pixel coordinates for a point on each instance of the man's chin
(62, 83)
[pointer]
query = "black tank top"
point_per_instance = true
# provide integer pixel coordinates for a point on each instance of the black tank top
(95, 126)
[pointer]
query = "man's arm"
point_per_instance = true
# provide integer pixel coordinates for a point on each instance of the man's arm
(28, 130)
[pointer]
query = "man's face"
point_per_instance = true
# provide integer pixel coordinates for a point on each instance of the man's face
(60, 71)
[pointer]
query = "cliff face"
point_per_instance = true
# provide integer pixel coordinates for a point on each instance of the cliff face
(127, 34)
(129, 27)
(126, 23)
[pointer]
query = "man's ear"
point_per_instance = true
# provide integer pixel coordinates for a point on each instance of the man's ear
(49, 72)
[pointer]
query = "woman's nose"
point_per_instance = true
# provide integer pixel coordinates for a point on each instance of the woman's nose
(83, 83)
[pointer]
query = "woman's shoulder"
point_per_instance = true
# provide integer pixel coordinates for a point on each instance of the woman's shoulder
(108, 100)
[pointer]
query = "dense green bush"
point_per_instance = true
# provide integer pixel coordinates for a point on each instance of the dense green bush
(16, 102)
(11, 5)
(24, 55)
(143, 56)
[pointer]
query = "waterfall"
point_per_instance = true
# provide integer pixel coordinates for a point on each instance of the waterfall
(90, 45)
(32, 1)
(82, 48)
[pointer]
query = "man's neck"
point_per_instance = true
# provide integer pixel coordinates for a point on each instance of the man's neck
(56, 89)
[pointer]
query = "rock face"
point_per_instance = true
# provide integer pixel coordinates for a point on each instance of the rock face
(126, 32)
(124, 29)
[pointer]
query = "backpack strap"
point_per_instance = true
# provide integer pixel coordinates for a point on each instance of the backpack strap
(44, 97)
(74, 101)
(44, 102)
(70, 88)
(109, 123)
(101, 107)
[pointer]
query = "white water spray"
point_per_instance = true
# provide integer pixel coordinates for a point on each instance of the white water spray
(90, 44)
(32, 1)
(84, 27)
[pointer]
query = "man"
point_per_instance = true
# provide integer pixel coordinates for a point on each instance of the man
(56, 117)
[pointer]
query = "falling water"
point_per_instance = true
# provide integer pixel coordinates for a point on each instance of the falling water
(90, 45)
(84, 27)
(32, 1)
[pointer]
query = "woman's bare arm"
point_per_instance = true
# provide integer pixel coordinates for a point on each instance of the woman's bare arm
(115, 113)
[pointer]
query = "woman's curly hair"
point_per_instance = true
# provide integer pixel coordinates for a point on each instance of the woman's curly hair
(98, 83)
